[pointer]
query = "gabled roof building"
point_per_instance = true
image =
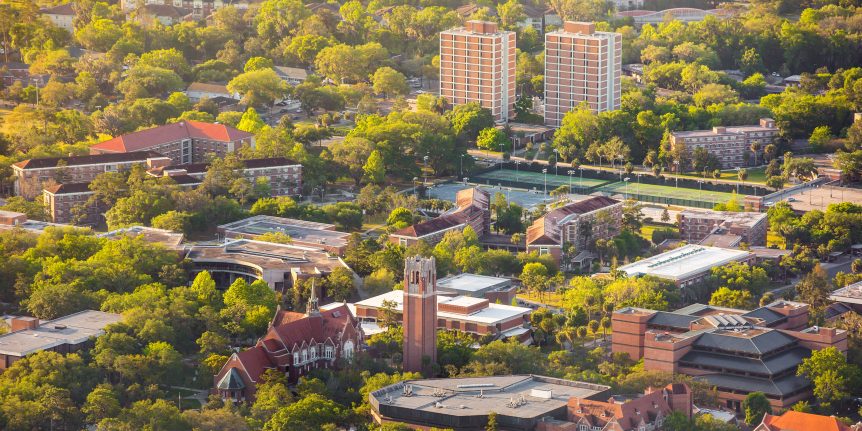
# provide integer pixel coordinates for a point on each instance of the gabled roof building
(799, 421)
(620, 413)
(294, 345)
(184, 142)
(472, 208)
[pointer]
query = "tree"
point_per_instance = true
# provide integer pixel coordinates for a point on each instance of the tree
(755, 405)
(492, 422)
(849, 163)
(389, 82)
(149, 81)
(534, 277)
(833, 378)
(511, 13)
(311, 412)
(492, 139)
(101, 403)
(176, 221)
(258, 88)
(257, 63)
(352, 154)
(339, 284)
(724, 297)
(250, 122)
(814, 289)
(374, 168)
(468, 120)
(400, 218)
(820, 138)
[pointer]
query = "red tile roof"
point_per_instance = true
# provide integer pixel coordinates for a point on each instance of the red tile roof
(798, 421)
(148, 138)
(544, 231)
(63, 9)
(255, 361)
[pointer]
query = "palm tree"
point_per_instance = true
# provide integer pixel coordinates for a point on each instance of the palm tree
(589, 302)
(755, 147)
(566, 334)
(605, 324)
(594, 327)
(581, 332)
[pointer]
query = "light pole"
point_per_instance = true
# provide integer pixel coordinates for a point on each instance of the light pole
(638, 190)
(556, 160)
(570, 172)
(626, 193)
(461, 172)
(425, 171)
(517, 162)
(676, 177)
(545, 171)
(501, 155)
(581, 179)
(415, 180)
(465, 181)
(737, 177)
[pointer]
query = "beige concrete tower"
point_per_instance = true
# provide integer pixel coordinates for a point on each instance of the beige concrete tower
(477, 64)
(581, 65)
(420, 313)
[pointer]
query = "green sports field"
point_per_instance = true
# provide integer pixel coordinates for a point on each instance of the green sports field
(538, 178)
(672, 192)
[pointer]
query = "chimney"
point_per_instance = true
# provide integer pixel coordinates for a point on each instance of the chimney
(719, 130)
(20, 323)
(579, 27)
(158, 162)
(767, 122)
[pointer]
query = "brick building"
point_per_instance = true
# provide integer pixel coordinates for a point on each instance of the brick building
(698, 225)
(61, 199)
(283, 176)
(419, 313)
(62, 16)
(477, 64)
(729, 144)
(736, 351)
(184, 142)
(294, 345)
(581, 65)
(646, 412)
(472, 208)
(570, 230)
(32, 175)
(199, 9)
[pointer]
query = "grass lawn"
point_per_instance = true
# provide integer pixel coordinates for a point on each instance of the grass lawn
(553, 299)
(538, 178)
(669, 192)
(173, 396)
(648, 229)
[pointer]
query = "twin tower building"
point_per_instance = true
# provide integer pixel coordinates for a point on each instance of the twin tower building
(478, 61)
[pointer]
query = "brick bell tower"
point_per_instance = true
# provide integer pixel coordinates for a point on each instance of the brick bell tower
(420, 312)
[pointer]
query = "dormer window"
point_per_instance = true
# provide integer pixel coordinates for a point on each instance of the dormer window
(304, 355)
(328, 352)
(295, 358)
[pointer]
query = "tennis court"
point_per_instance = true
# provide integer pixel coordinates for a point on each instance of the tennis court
(679, 195)
(538, 178)
(524, 198)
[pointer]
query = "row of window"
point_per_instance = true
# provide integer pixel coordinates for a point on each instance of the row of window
(308, 355)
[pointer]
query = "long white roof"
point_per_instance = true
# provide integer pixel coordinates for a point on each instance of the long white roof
(684, 261)
(493, 314)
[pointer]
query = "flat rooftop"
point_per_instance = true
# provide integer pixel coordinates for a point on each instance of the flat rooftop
(683, 262)
(299, 230)
(267, 256)
(472, 283)
(167, 238)
(748, 219)
(474, 396)
(492, 314)
(851, 294)
(72, 329)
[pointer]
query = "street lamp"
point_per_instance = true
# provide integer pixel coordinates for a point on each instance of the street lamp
(461, 172)
(581, 179)
(465, 180)
(737, 177)
(626, 193)
(638, 190)
(556, 160)
(425, 171)
(676, 177)
(517, 162)
(570, 172)
(415, 180)
(545, 171)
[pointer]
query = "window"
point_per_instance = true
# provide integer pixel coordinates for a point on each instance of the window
(328, 352)
(296, 358)
(304, 356)
(314, 353)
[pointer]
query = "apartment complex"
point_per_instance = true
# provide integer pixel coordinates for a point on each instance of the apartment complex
(67, 334)
(477, 64)
(32, 175)
(687, 265)
(472, 208)
(184, 142)
(581, 65)
(198, 9)
(62, 16)
(60, 201)
(577, 225)
(294, 345)
(736, 351)
(729, 144)
(723, 228)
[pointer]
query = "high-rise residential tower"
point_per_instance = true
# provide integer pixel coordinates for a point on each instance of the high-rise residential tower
(581, 65)
(477, 64)
(419, 313)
